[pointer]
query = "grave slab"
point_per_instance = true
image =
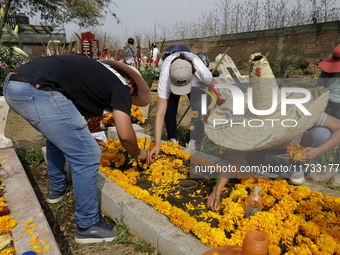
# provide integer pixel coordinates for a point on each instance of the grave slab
(331, 192)
(24, 204)
(144, 221)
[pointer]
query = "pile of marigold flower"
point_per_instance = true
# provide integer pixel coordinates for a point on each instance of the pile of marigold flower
(136, 117)
(295, 220)
(7, 223)
(296, 152)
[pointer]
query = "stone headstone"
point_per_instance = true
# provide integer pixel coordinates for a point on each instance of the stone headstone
(4, 108)
(89, 46)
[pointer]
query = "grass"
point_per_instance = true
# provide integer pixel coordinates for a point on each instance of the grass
(125, 237)
(30, 158)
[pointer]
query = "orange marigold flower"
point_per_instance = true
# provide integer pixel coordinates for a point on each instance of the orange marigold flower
(296, 152)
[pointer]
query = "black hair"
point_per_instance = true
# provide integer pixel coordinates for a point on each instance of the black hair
(126, 76)
(131, 41)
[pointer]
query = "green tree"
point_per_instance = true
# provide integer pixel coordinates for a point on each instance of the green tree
(85, 13)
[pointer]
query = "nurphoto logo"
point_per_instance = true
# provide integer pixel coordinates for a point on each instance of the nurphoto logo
(238, 105)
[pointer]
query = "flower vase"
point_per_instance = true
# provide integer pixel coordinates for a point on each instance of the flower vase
(4, 141)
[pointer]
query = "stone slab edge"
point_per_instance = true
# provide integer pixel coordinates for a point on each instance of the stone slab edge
(24, 205)
(145, 222)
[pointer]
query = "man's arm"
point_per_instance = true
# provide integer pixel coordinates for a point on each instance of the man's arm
(162, 105)
(212, 103)
(333, 124)
(127, 135)
(235, 159)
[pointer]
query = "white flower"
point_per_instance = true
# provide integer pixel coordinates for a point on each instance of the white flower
(20, 51)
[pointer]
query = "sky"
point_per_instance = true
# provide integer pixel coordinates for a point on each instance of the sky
(138, 15)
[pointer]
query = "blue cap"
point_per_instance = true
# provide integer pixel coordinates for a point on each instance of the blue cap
(29, 253)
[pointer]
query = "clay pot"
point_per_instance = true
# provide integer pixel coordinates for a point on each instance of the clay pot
(225, 250)
(254, 243)
(187, 184)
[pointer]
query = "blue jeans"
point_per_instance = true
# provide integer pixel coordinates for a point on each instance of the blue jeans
(333, 109)
(68, 137)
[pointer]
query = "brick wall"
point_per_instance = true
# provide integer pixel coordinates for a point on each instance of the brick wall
(314, 40)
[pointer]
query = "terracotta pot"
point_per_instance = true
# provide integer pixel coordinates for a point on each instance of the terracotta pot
(254, 243)
(225, 250)
(187, 184)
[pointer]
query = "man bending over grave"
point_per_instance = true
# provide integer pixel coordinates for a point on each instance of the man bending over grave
(53, 94)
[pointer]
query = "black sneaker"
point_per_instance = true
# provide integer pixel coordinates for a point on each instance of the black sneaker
(96, 234)
(55, 196)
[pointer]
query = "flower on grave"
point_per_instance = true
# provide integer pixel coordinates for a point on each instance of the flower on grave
(136, 117)
(296, 152)
(303, 221)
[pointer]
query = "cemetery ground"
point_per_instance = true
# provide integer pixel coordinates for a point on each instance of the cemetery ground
(28, 143)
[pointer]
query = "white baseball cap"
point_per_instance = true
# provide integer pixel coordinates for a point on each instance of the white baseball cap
(180, 77)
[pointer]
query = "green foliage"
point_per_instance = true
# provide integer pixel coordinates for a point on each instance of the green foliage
(83, 12)
(9, 60)
(149, 75)
(58, 207)
(183, 134)
(331, 157)
(124, 236)
(30, 158)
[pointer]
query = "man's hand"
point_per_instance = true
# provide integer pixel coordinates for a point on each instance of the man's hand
(142, 155)
(311, 153)
(154, 151)
(101, 145)
(213, 200)
(211, 106)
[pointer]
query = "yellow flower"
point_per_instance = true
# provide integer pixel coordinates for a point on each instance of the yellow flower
(8, 251)
(310, 229)
(20, 51)
(194, 114)
(300, 192)
(238, 193)
(191, 127)
(296, 152)
(274, 249)
(268, 200)
(7, 224)
(326, 244)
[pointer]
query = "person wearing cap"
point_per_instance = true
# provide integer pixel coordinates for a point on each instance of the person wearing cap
(154, 52)
(330, 78)
(130, 53)
(180, 74)
(53, 94)
(318, 132)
